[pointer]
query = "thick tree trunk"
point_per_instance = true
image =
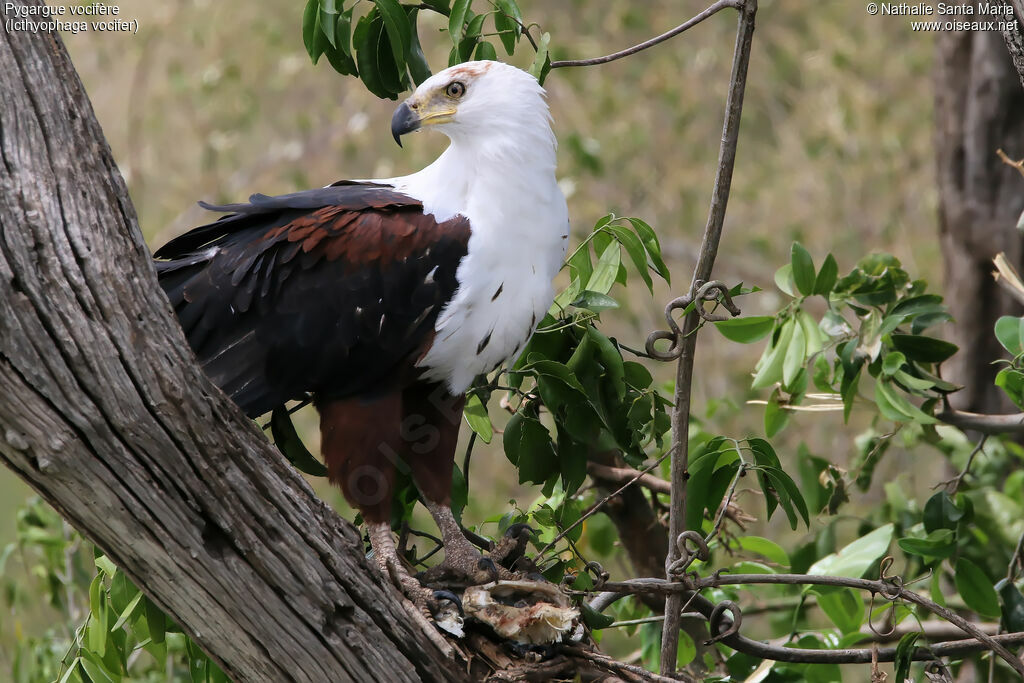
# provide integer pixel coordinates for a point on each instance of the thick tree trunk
(978, 107)
(105, 413)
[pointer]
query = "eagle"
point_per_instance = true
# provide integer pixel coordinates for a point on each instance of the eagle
(384, 299)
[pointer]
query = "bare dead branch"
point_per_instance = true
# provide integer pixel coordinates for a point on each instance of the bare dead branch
(702, 273)
(953, 485)
(713, 9)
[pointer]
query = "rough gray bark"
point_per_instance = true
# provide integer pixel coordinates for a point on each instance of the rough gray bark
(1014, 37)
(104, 412)
(977, 111)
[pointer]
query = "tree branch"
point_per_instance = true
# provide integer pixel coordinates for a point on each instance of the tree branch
(713, 9)
(696, 602)
(890, 589)
(620, 475)
(104, 412)
(702, 273)
(986, 424)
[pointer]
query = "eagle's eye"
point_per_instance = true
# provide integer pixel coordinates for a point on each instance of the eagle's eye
(455, 90)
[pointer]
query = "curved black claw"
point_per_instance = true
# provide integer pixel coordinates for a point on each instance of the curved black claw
(515, 530)
(452, 598)
(487, 564)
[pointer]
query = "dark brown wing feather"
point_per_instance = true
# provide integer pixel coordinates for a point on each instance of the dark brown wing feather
(332, 291)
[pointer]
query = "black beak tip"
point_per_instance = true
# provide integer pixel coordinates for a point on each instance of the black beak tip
(405, 120)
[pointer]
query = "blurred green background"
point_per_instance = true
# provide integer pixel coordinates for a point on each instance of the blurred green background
(216, 100)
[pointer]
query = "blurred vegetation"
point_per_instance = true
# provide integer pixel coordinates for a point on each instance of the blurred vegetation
(215, 100)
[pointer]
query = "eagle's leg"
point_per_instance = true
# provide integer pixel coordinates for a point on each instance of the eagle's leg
(360, 439)
(431, 421)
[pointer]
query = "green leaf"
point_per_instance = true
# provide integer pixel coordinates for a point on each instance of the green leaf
(1008, 332)
(311, 28)
(1013, 607)
(635, 248)
(70, 670)
(892, 362)
(529, 442)
(505, 24)
(789, 494)
(939, 544)
(686, 650)
(127, 613)
(827, 277)
(772, 361)
(905, 655)
(844, 607)
(542, 62)
(855, 559)
(418, 67)
(478, 419)
(795, 354)
(784, 279)
(923, 349)
(92, 663)
(611, 360)
(770, 550)
(472, 36)
(105, 565)
(746, 330)
(650, 240)
(940, 512)
(607, 269)
(156, 621)
(812, 333)
(595, 620)
(594, 301)
(976, 589)
(366, 40)
(396, 23)
(896, 407)
(328, 19)
(340, 56)
(1012, 382)
(457, 20)
(572, 462)
(485, 51)
(775, 416)
(291, 446)
(803, 269)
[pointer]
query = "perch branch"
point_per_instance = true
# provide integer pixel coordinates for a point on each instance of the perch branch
(713, 9)
(702, 273)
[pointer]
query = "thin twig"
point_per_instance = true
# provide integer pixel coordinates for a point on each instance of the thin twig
(713, 9)
(953, 484)
(1019, 165)
(606, 662)
(702, 273)
(601, 503)
(740, 471)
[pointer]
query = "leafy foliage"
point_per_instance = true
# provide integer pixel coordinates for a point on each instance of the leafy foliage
(873, 326)
(382, 47)
(107, 630)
